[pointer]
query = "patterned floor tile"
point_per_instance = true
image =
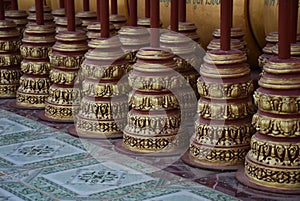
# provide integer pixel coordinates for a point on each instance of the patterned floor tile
(177, 192)
(88, 179)
(36, 151)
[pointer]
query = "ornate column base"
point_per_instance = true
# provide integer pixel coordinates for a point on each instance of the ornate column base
(118, 21)
(94, 30)
(87, 17)
(19, 17)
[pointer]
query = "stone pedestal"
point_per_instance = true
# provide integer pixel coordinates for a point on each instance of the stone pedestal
(272, 164)
(154, 122)
(87, 17)
(66, 58)
(10, 59)
(19, 17)
(187, 62)
(35, 82)
(104, 106)
(223, 128)
(118, 21)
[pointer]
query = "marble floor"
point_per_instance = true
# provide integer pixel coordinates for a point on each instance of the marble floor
(40, 161)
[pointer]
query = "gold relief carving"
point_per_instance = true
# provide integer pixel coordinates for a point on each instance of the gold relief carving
(277, 104)
(218, 156)
(225, 110)
(277, 127)
(10, 76)
(130, 56)
(99, 127)
(62, 96)
(273, 153)
(10, 46)
(8, 90)
(63, 77)
(106, 109)
(185, 64)
(153, 144)
(263, 60)
(34, 85)
(223, 135)
(103, 72)
(274, 177)
(61, 112)
(66, 61)
(153, 101)
(35, 68)
(153, 124)
(94, 88)
(35, 52)
(24, 99)
(225, 91)
(10, 59)
(156, 82)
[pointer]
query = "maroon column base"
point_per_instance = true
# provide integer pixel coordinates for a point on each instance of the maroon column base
(72, 131)
(119, 147)
(43, 117)
(242, 178)
(187, 159)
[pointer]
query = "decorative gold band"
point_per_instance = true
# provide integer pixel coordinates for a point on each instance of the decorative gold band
(10, 59)
(31, 100)
(146, 101)
(218, 156)
(277, 104)
(277, 127)
(61, 112)
(225, 91)
(235, 134)
(153, 144)
(225, 110)
(105, 109)
(274, 177)
(149, 124)
(67, 96)
(61, 61)
(98, 127)
(10, 76)
(10, 46)
(272, 153)
(35, 68)
(96, 88)
(34, 85)
(35, 52)
(58, 76)
(103, 72)
(8, 90)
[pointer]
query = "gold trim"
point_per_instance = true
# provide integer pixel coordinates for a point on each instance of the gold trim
(34, 85)
(10, 46)
(64, 61)
(276, 126)
(10, 60)
(30, 100)
(67, 96)
(35, 68)
(58, 76)
(225, 110)
(8, 90)
(10, 76)
(61, 112)
(225, 91)
(226, 73)
(35, 52)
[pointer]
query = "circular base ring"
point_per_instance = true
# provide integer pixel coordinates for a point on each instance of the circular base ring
(187, 159)
(119, 147)
(15, 105)
(43, 117)
(72, 131)
(242, 178)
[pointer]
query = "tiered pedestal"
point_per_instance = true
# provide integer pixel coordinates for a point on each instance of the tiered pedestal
(48, 17)
(154, 122)
(187, 62)
(118, 21)
(64, 94)
(223, 128)
(215, 44)
(35, 82)
(87, 17)
(104, 106)
(189, 29)
(146, 22)
(62, 24)
(272, 40)
(94, 30)
(19, 17)
(58, 13)
(273, 162)
(133, 39)
(10, 59)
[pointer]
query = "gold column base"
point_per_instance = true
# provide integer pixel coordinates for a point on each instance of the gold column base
(94, 30)
(87, 17)
(19, 17)
(118, 21)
